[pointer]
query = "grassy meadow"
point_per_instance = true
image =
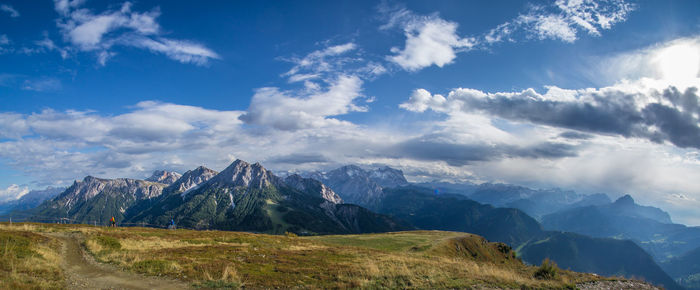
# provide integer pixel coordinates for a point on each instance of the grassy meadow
(219, 259)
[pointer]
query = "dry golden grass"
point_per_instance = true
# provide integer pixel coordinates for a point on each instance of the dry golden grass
(153, 244)
(29, 260)
(213, 259)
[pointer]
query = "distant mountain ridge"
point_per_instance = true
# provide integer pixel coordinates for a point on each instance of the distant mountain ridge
(534, 202)
(649, 227)
(30, 200)
(359, 186)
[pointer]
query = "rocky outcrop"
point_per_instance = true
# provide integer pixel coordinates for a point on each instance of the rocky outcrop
(164, 177)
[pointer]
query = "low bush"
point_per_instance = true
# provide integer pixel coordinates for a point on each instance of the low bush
(108, 243)
(547, 271)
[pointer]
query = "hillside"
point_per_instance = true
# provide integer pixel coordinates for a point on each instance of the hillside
(603, 256)
(219, 259)
(428, 211)
(649, 227)
(685, 269)
(425, 210)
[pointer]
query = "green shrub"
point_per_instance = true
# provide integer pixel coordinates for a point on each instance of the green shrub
(155, 267)
(547, 271)
(108, 243)
(17, 246)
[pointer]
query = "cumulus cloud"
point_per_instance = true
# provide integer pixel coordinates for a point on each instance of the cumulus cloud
(430, 40)
(284, 111)
(13, 192)
(563, 20)
(99, 33)
(60, 146)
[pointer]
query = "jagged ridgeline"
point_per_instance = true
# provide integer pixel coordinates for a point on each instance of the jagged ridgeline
(243, 196)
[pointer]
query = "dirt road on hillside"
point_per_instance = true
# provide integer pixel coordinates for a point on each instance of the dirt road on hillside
(83, 272)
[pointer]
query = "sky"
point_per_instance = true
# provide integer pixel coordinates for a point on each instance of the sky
(593, 96)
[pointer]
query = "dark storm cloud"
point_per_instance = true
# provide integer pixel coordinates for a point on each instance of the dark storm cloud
(575, 135)
(299, 159)
(463, 154)
(675, 119)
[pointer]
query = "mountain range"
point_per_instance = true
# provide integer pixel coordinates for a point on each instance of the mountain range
(350, 199)
(30, 200)
(649, 227)
(359, 186)
(535, 202)
(452, 207)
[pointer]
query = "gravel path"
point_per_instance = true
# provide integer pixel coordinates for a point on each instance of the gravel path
(83, 272)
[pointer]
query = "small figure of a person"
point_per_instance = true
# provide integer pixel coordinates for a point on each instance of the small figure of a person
(172, 224)
(114, 222)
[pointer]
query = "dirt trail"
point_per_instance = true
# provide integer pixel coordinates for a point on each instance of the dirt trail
(84, 273)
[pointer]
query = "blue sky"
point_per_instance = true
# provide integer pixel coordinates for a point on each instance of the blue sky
(595, 96)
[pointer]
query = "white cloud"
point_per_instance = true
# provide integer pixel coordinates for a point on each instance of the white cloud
(99, 33)
(554, 27)
(676, 62)
(61, 146)
(285, 111)
(10, 10)
(64, 7)
(14, 125)
(182, 51)
(645, 132)
(563, 20)
(330, 60)
(430, 40)
(13, 192)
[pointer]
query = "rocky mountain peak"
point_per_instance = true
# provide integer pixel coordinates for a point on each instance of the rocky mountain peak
(241, 173)
(312, 186)
(388, 177)
(164, 177)
(192, 178)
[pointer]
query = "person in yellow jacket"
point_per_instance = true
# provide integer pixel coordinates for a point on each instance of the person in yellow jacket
(114, 222)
